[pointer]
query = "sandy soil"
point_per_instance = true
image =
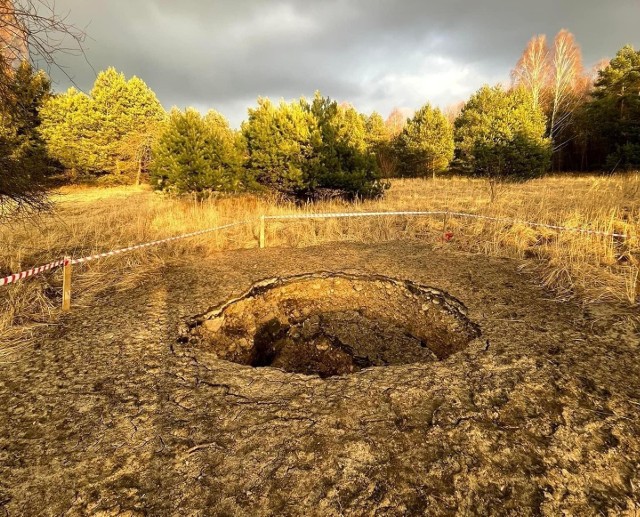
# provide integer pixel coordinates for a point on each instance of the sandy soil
(110, 415)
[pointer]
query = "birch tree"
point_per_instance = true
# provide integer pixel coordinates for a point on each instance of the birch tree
(532, 71)
(567, 85)
(396, 121)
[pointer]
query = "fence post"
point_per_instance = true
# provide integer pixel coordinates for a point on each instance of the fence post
(66, 285)
(262, 237)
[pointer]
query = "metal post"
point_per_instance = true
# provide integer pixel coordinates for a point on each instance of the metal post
(66, 285)
(262, 236)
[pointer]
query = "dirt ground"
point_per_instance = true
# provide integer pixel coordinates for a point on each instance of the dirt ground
(108, 414)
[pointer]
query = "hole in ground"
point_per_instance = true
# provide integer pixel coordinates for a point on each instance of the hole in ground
(330, 324)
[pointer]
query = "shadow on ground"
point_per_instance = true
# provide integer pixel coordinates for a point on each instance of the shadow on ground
(110, 414)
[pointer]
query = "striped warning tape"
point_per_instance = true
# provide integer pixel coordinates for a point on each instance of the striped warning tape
(11, 279)
(53, 265)
(155, 243)
(447, 213)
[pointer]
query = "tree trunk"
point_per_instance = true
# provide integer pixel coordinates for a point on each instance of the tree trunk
(139, 174)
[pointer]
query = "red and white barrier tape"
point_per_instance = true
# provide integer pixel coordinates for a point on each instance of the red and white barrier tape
(11, 279)
(52, 265)
(155, 243)
(447, 213)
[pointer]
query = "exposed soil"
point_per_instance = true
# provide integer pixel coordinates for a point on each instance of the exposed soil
(109, 414)
(330, 324)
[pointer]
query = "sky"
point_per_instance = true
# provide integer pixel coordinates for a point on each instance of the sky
(375, 54)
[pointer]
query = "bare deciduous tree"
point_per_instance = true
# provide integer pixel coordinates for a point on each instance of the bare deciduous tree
(568, 82)
(33, 30)
(396, 121)
(453, 110)
(532, 70)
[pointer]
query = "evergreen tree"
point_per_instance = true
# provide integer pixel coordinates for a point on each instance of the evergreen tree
(500, 135)
(613, 115)
(379, 141)
(110, 131)
(120, 108)
(425, 145)
(346, 163)
(67, 123)
(135, 149)
(281, 145)
(23, 158)
(310, 149)
(196, 154)
(376, 132)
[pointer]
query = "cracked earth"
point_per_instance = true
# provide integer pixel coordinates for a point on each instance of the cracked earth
(111, 413)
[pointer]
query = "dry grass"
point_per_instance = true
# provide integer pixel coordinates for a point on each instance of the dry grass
(89, 220)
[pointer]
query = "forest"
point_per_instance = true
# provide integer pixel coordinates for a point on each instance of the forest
(555, 115)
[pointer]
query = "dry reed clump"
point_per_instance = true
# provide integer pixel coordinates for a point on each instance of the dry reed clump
(91, 220)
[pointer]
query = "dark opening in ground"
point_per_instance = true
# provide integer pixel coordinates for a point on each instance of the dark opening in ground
(330, 324)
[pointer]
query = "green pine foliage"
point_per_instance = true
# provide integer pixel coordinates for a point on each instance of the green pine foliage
(121, 108)
(96, 134)
(312, 149)
(23, 156)
(613, 115)
(67, 124)
(198, 154)
(281, 145)
(425, 145)
(381, 143)
(500, 135)
(377, 134)
(346, 164)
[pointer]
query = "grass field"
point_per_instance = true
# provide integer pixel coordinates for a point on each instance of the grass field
(89, 220)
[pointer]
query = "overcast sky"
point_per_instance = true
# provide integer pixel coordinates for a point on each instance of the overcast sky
(376, 54)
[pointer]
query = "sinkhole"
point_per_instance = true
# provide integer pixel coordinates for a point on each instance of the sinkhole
(329, 324)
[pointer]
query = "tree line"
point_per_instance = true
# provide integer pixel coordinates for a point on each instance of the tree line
(593, 116)
(554, 116)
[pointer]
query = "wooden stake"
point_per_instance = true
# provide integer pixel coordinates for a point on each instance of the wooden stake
(262, 237)
(66, 285)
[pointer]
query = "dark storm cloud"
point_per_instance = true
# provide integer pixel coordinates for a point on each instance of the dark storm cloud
(374, 53)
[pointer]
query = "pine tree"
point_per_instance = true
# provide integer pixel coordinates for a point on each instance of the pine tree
(281, 145)
(613, 115)
(378, 138)
(110, 131)
(23, 158)
(196, 154)
(141, 123)
(67, 124)
(425, 145)
(377, 133)
(120, 108)
(346, 163)
(311, 149)
(500, 135)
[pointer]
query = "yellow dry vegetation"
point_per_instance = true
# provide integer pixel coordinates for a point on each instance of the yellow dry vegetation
(90, 220)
